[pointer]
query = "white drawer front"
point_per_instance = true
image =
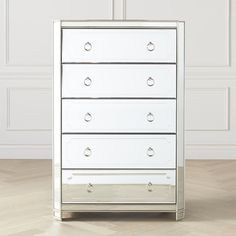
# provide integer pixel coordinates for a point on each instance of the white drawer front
(118, 186)
(119, 45)
(118, 151)
(154, 116)
(85, 80)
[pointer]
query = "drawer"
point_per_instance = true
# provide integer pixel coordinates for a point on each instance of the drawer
(118, 151)
(118, 116)
(109, 80)
(119, 45)
(103, 186)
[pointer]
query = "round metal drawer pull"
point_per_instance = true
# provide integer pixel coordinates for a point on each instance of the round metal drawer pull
(87, 152)
(88, 46)
(150, 46)
(150, 117)
(90, 188)
(149, 187)
(150, 81)
(88, 117)
(87, 81)
(150, 152)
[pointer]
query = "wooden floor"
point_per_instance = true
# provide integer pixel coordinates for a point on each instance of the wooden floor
(25, 205)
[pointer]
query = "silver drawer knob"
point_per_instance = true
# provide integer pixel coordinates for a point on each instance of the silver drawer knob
(87, 46)
(150, 46)
(150, 152)
(90, 188)
(87, 152)
(87, 81)
(88, 117)
(149, 187)
(150, 117)
(150, 81)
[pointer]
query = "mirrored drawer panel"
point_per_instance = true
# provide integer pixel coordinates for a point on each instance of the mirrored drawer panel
(119, 45)
(118, 151)
(118, 116)
(86, 80)
(101, 186)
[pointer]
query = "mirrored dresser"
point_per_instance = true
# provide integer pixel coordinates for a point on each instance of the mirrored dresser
(118, 135)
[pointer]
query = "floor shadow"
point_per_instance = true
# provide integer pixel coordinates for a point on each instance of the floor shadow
(121, 216)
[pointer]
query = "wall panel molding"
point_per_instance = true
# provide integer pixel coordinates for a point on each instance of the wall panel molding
(18, 121)
(144, 7)
(228, 63)
(38, 66)
(119, 9)
(210, 77)
(26, 118)
(212, 117)
(6, 40)
(25, 77)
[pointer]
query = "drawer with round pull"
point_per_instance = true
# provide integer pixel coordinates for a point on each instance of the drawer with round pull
(118, 186)
(119, 151)
(119, 45)
(118, 116)
(120, 80)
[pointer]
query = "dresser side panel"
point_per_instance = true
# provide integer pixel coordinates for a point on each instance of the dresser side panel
(57, 121)
(180, 118)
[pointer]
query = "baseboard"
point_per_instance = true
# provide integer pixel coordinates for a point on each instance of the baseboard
(25, 152)
(210, 152)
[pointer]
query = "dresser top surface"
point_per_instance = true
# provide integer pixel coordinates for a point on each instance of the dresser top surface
(117, 23)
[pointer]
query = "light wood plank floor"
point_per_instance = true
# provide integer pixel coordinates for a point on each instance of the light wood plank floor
(25, 205)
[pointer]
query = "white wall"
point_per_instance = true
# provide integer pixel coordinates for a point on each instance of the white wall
(26, 69)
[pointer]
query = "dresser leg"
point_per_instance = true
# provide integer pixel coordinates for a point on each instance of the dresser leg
(60, 215)
(180, 214)
(57, 214)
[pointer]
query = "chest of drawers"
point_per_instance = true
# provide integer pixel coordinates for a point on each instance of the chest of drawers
(118, 140)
